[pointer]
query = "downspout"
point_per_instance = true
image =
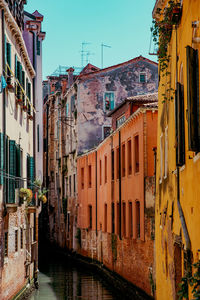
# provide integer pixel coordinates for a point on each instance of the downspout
(120, 190)
(181, 215)
(96, 188)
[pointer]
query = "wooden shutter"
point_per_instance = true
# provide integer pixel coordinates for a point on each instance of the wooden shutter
(193, 99)
(12, 170)
(30, 171)
(180, 125)
(1, 158)
(16, 65)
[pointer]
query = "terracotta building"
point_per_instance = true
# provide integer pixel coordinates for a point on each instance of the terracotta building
(84, 123)
(116, 189)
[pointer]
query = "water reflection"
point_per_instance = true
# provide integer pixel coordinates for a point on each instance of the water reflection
(64, 281)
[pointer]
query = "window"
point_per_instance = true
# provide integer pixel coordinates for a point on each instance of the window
(82, 178)
(123, 161)
(89, 176)
(137, 219)
(129, 154)
(6, 243)
(90, 216)
(136, 142)
(38, 138)
(193, 99)
(117, 162)
(120, 121)
(38, 46)
(100, 171)
(130, 220)
(124, 218)
(180, 125)
(67, 109)
(74, 184)
(65, 187)
(113, 164)
(166, 152)
(113, 217)
(21, 238)
(161, 157)
(70, 185)
(8, 60)
(105, 218)
(143, 77)
(16, 240)
(105, 166)
(109, 102)
(106, 132)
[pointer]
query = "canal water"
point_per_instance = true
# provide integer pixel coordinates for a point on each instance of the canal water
(63, 280)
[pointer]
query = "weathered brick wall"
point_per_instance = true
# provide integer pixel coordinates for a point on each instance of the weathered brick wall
(130, 258)
(124, 82)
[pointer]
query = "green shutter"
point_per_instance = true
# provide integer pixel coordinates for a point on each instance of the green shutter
(112, 101)
(23, 85)
(193, 99)
(18, 161)
(1, 158)
(12, 171)
(30, 171)
(16, 65)
(180, 125)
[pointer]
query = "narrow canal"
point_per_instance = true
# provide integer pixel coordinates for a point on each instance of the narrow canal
(60, 280)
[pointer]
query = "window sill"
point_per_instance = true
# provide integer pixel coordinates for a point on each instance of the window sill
(182, 168)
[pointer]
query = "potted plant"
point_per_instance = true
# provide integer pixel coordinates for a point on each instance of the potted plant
(26, 194)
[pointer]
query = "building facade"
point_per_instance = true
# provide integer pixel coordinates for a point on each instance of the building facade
(116, 189)
(177, 193)
(18, 210)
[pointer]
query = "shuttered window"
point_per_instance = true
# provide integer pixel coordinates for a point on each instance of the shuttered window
(30, 171)
(180, 125)
(193, 99)
(19, 77)
(12, 171)
(23, 85)
(8, 54)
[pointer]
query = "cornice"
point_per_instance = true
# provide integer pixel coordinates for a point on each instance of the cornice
(16, 32)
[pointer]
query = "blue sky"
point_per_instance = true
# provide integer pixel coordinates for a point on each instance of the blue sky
(122, 24)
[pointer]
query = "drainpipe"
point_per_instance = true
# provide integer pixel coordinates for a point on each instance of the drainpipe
(120, 189)
(96, 188)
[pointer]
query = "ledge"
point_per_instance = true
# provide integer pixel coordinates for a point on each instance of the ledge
(11, 207)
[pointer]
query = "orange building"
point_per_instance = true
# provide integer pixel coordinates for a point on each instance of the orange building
(116, 186)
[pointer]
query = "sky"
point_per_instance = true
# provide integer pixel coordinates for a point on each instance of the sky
(124, 25)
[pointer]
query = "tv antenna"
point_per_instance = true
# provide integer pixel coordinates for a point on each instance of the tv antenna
(102, 46)
(83, 52)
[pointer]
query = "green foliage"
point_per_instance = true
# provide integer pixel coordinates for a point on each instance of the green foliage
(193, 281)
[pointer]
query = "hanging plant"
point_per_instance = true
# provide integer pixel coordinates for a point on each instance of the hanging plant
(26, 194)
(162, 31)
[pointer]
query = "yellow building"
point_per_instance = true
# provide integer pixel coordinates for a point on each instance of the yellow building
(178, 152)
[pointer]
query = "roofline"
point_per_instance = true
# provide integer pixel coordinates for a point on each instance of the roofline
(139, 58)
(139, 111)
(18, 35)
(131, 99)
(29, 15)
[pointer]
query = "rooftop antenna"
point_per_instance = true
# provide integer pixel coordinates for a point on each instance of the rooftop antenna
(88, 54)
(102, 46)
(83, 52)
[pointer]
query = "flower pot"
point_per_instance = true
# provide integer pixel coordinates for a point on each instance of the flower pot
(176, 14)
(19, 101)
(30, 117)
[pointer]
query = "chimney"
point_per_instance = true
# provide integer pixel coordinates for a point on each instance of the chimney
(70, 77)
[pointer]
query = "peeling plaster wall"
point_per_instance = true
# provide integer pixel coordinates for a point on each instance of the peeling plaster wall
(124, 82)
